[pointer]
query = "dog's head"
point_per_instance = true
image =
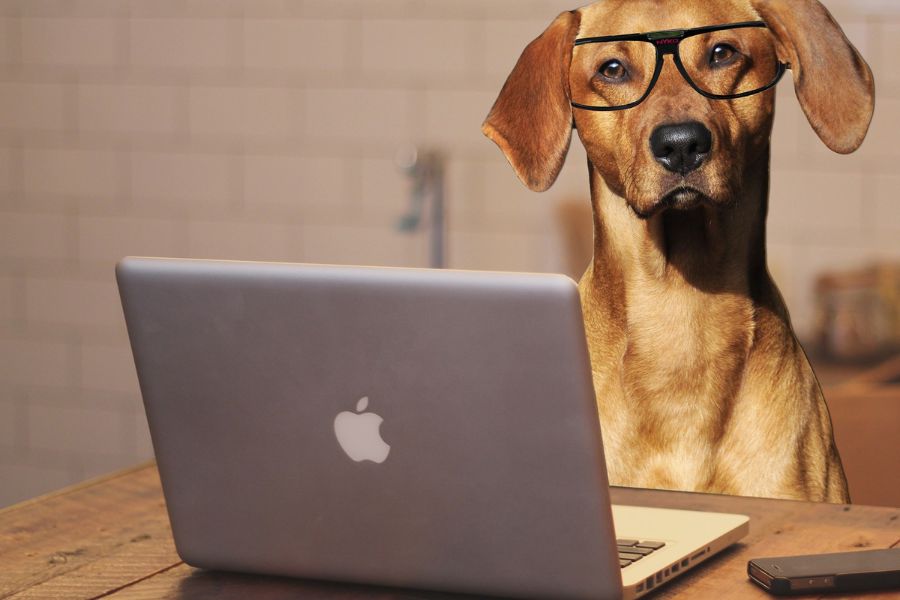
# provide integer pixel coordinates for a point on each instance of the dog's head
(677, 148)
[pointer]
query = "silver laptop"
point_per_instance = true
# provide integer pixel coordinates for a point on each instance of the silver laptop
(412, 428)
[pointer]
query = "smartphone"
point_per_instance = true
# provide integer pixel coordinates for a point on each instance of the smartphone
(839, 572)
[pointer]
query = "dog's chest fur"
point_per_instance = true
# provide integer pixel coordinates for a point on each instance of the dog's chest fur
(668, 361)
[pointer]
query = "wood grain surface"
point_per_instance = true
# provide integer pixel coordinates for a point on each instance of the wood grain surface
(110, 538)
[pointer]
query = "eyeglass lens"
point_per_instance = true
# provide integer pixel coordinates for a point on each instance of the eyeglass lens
(721, 63)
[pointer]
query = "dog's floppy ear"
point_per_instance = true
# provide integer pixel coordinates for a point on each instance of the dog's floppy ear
(531, 120)
(833, 82)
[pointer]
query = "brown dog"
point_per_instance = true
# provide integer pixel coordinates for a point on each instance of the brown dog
(700, 381)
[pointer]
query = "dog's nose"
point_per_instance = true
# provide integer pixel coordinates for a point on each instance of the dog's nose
(681, 148)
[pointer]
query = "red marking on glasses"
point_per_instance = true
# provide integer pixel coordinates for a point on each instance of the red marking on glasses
(668, 42)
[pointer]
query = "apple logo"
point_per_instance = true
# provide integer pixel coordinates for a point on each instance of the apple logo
(359, 436)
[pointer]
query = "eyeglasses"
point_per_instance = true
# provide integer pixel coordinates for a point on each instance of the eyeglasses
(722, 62)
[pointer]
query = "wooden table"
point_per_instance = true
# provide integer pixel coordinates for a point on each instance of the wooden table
(110, 538)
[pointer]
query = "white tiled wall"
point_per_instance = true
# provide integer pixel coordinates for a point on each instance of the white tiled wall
(266, 129)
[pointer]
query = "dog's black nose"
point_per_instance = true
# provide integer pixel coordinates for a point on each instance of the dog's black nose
(681, 148)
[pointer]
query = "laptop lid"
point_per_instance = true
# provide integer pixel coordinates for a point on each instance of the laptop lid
(490, 478)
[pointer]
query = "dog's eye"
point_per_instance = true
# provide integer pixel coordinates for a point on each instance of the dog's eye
(722, 55)
(613, 71)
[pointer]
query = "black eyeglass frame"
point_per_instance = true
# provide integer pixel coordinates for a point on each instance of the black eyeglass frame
(668, 42)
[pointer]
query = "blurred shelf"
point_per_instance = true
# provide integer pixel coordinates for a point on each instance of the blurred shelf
(864, 402)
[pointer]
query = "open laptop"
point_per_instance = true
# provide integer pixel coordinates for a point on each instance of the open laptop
(401, 427)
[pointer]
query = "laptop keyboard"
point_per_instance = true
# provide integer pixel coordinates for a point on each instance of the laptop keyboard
(633, 550)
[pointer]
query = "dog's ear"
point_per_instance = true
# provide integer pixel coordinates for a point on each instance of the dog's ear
(833, 82)
(531, 120)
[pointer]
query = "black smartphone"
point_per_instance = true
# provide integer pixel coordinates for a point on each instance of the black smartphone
(839, 572)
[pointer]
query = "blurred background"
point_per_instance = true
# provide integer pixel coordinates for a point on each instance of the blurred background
(282, 130)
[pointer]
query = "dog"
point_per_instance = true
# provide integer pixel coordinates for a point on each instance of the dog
(700, 381)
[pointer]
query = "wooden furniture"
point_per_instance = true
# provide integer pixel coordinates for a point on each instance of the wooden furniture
(110, 538)
(865, 413)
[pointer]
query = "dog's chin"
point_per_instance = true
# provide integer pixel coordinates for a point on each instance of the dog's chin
(680, 198)
(684, 198)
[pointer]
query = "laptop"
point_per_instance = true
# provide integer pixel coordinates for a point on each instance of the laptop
(399, 427)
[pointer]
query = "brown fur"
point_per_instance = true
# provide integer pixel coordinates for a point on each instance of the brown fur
(700, 381)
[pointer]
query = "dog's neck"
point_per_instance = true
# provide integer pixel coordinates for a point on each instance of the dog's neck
(657, 286)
